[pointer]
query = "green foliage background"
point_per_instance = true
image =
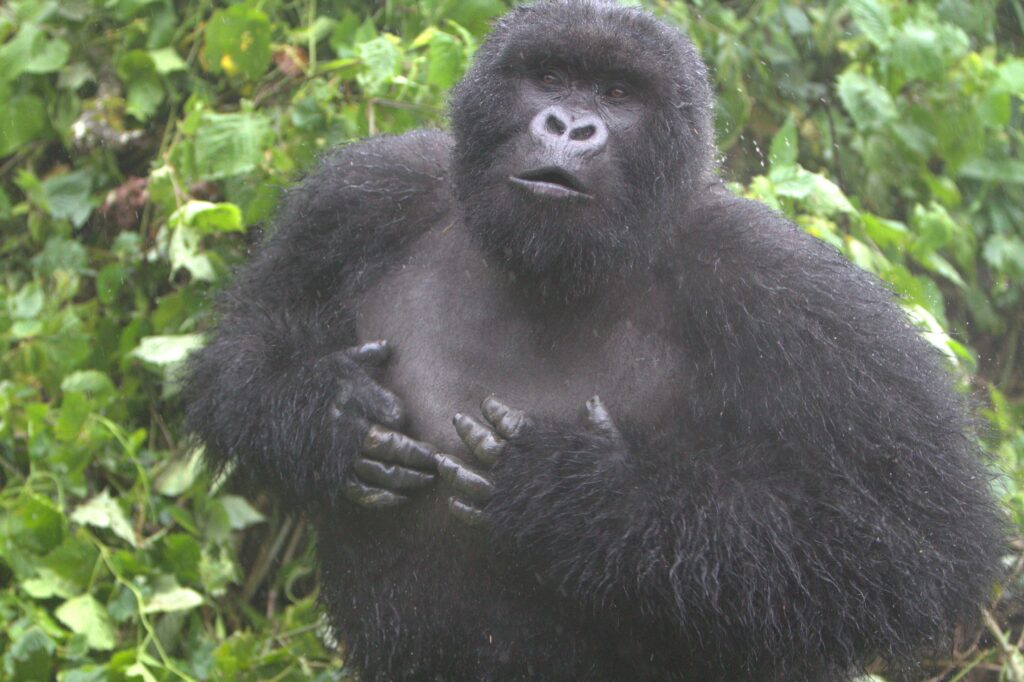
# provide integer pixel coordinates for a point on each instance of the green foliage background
(143, 145)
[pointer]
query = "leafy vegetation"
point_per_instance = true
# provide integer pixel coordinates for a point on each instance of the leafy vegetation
(143, 144)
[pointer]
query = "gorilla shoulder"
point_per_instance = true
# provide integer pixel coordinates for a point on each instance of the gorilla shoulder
(374, 189)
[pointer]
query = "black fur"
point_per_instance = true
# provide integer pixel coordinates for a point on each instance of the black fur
(800, 490)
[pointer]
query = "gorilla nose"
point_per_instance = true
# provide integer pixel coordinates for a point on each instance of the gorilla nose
(585, 134)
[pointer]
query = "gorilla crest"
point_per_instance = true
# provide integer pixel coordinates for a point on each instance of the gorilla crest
(563, 408)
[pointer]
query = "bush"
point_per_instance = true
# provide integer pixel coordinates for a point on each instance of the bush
(142, 147)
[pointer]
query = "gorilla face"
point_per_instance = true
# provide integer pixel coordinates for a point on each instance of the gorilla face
(566, 152)
(580, 131)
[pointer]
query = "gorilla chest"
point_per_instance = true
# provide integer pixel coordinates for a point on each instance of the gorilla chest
(460, 331)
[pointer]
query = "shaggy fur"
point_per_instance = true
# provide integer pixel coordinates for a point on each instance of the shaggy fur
(800, 490)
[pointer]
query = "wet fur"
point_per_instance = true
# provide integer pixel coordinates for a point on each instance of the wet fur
(806, 494)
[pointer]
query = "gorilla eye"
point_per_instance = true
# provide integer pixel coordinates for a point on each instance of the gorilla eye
(549, 78)
(616, 92)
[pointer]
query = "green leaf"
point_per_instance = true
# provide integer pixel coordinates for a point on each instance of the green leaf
(933, 227)
(939, 265)
(17, 51)
(885, 232)
(382, 61)
(160, 185)
(1011, 77)
(792, 181)
(75, 75)
(24, 120)
(1005, 253)
(173, 599)
(51, 54)
(445, 60)
(109, 282)
(240, 513)
(166, 60)
(873, 20)
(784, 149)
(868, 102)
(128, 9)
(68, 196)
(321, 28)
(61, 255)
(32, 51)
(48, 584)
(1008, 171)
(140, 671)
(861, 255)
(30, 655)
(796, 20)
(207, 218)
(924, 52)
(103, 511)
(27, 303)
(181, 553)
(138, 71)
(185, 251)
(996, 109)
(178, 476)
(307, 114)
(89, 382)
(343, 37)
(476, 15)
(932, 331)
(166, 350)
(26, 329)
(85, 616)
(826, 197)
(238, 42)
(821, 194)
(36, 525)
(230, 144)
(74, 410)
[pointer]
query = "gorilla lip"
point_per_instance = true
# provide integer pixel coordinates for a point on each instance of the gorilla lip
(551, 182)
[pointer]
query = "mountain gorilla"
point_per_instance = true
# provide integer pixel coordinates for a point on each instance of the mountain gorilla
(776, 482)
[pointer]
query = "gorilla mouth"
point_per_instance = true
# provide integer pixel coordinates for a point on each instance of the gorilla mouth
(551, 182)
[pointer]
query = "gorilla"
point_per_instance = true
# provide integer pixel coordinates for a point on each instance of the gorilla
(561, 407)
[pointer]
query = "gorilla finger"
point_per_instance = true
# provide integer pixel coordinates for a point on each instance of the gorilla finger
(343, 398)
(382, 405)
(481, 441)
(386, 445)
(371, 498)
(391, 476)
(599, 419)
(507, 421)
(371, 353)
(465, 481)
(466, 513)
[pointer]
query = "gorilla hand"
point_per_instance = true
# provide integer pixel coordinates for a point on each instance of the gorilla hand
(474, 488)
(389, 465)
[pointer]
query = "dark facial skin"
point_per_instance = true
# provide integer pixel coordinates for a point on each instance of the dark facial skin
(578, 125)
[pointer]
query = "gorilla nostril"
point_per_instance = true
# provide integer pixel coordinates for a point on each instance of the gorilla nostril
(582, 133)
(555, 125)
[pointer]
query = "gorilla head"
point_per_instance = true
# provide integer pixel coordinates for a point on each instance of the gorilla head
(567, 104)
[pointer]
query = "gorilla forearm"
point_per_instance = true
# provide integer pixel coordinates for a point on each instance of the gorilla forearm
(258, 394)
(742, 544)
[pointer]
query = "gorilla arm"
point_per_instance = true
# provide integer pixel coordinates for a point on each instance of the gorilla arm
(281, 390)
(828, 450)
